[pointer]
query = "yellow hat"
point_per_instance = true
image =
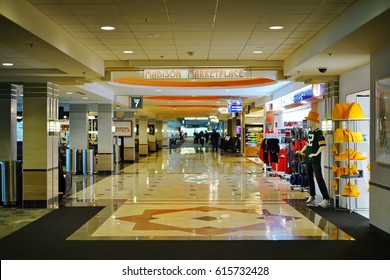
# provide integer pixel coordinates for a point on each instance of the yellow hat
(313, 116)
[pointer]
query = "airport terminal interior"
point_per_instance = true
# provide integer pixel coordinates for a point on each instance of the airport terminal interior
(127, 124)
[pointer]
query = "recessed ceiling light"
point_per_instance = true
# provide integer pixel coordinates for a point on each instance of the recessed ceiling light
(7, 64)
(158, 89)
(257, 52)
(128, 52)
(276, 27)
(69, 93)
(107, 28)
(85, 97)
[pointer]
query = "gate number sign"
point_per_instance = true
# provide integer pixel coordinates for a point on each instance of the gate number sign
(136, 102)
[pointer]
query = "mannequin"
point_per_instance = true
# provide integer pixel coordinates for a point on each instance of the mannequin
(314, 147)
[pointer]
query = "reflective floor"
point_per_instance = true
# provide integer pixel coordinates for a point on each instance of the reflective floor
(188, 194)
(196, 194)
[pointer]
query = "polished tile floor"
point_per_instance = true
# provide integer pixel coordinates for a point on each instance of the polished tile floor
(188, 193)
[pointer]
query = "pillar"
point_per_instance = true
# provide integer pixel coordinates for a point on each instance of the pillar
(40, 145)
(11, 193)
(78, 126)
(152, 140)
(159, 134)
(8, 114)
(129, 142)
(164, 130)
(143, 136)
(105, 138)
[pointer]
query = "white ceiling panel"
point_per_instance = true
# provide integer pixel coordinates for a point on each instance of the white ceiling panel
(156, 42)
(51, 9)
(158, 47)
(166, 30)
(62, 19)
(114, 35)
(102, 19)
(231, 35)
(90, 41)
(144, 8)
(148, 35)
(271, 34)
(192, 27)
(84, 35)
(194, 35)
(206, 8)
(74, 27)
(309, 27)
(98, 47)
(290, 9)
(194, 42)
(327, 8)
(96, 9)
(233, 26)
(265, 42)
(152, 28)
(324, 19)
(301, 35)
(146, 18)
(192, 19)
(122, 41)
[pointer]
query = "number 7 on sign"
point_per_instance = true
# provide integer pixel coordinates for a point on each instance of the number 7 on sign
(137, 102)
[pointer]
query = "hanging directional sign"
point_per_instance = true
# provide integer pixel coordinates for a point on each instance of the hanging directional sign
(136, 102)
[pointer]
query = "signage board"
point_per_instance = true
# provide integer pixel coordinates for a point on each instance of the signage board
(136, 102)
(123, 128)
(234, 107)
(196, 73)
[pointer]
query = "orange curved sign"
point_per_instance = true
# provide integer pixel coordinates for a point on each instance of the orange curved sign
(196, 83)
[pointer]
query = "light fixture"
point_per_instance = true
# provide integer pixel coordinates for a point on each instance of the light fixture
(85, 97)
(158, 89)
(7, 64)
(257, 52)
(128, 52)
(276, 27)
(107, 28)
(69, 93)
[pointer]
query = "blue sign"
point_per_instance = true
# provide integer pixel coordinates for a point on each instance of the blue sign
(234, 107)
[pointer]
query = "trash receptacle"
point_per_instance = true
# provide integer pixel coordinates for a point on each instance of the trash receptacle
(84, 161)
(68, 159)
(77, 167)
(8, 182)
(91, 161)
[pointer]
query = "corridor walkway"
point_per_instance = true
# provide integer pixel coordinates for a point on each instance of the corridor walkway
(192, 193)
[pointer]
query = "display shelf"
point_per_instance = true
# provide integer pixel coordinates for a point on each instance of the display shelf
(350, 186)
(253, 137)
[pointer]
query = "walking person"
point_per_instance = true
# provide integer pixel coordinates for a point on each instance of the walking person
(312, 151)
(215, 137)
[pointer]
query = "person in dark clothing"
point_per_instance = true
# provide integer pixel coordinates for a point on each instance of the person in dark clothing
(215, 140)
(312, 150)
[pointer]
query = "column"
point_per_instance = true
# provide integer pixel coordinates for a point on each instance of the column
(152, 144)
(143, 136)
(105, 138)
(129, 142)
(159, 134)
(40, 145)
(165, 139)
(8, 113)
(11, 194)
(78, 126)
